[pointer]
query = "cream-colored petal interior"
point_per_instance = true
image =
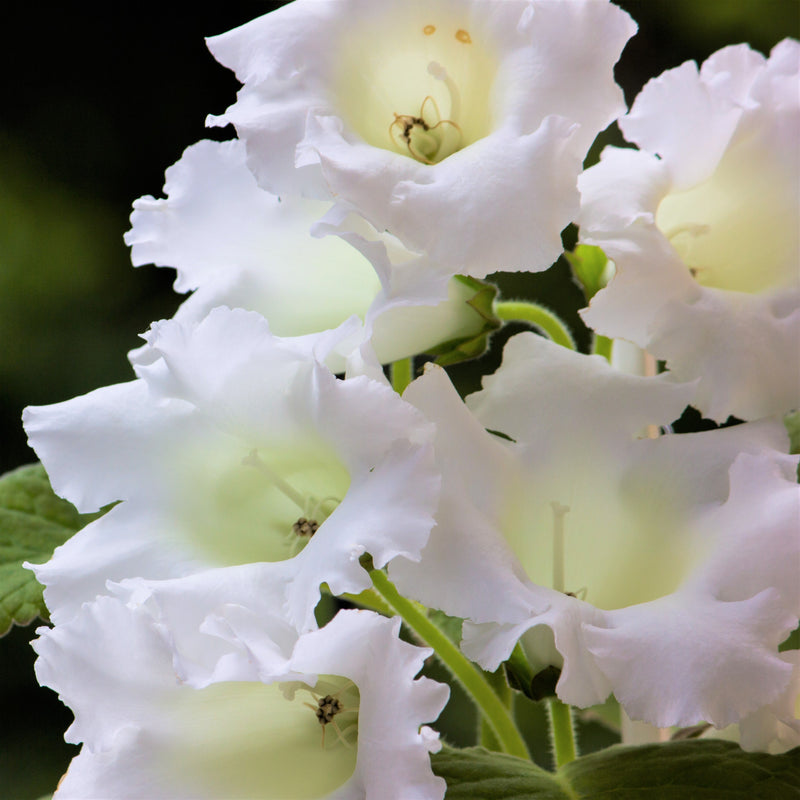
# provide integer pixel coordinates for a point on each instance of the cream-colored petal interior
(253, 740)
(235, 505)
(417, 81)
(611, 541)
(739, 229)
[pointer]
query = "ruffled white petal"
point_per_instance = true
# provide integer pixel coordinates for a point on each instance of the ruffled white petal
(568, 388)
(551, 634)
(702, 228)
(648, 533)
(744, 597)
(689, 658)
(263, 437)
(763, 497)
(694, 136)
(303, 103)
(127, 541)
(187, 611)
(464, 545)
(235, 244)
(511, 228)
(744, 349)
(70, 438)
(393, 747)
(215, 222)
(776, 727)
(147, 734)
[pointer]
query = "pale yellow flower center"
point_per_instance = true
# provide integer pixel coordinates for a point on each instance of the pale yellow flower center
(236, 506)
(613, 543)
(285, 741)
(419, 86)
(739, 229)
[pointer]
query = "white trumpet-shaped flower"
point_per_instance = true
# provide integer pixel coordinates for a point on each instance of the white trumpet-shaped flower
(458, 126)
(319, 719)
(663, 569)
(702, 225)
(234, 446)
(235, 244)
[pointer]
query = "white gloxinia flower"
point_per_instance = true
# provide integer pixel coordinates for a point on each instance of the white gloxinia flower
(457, 125)
(235, 244)
(234, 446)
(663, 570)
(702, 225)
(322, 718)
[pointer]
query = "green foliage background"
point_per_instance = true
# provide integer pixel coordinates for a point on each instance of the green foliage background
(95, 108)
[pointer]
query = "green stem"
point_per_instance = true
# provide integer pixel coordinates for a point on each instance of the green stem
(562, 732)
(497, 680)
(471, 678)
(541, 317)
(370, 599)
(602, 346)
(402, 374)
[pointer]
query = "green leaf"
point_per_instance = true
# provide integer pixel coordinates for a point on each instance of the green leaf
(686, 770)
(479, 774)
(589, 265)
(449, 626)
(708, 769)
(480, 297)
(607, 714)
(33, 522)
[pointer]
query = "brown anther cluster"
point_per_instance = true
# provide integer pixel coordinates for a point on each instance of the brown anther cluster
(407, 129)
(305, 527)
(329, 707)
(409, 123)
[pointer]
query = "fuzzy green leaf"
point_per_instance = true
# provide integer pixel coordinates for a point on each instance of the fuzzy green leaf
(684, 770)
(479, 774)
(33, 522)
(708, 769)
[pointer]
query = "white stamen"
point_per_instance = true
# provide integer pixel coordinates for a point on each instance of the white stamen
(440, 73)
(559, 512)
(252, 460)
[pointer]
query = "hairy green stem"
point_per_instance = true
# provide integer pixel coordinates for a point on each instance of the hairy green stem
(497, 716)
(402, 374)
(370, 599)
(562, 732)
(497, 680)
(541, 317)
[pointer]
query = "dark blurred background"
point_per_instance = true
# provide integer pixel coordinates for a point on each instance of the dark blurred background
(93, 111)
